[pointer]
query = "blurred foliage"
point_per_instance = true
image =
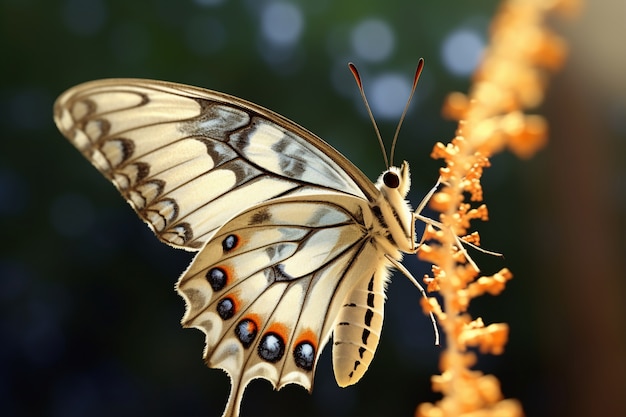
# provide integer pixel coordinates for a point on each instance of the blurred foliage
(90, 320)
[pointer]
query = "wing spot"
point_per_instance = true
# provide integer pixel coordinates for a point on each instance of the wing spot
(217, 278)
(246, 331)
(261, 216)
(370, 300)
(226, 308)
(230, 242)
(304, 355)
(271, 347)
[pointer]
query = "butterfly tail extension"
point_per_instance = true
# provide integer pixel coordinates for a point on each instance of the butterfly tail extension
(234, 399)
(358, 327)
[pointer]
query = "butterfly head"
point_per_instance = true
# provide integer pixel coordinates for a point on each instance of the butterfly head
(396, 181)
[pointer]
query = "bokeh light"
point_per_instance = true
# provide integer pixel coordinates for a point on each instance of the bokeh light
(373, 40)
(282, 23)
(388, 95)
(461, 51)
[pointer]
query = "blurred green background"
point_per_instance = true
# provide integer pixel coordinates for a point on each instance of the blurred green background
(90, 319)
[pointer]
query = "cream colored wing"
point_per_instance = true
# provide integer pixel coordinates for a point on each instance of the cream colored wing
(188, 159)
(269, 287)
(294, 240)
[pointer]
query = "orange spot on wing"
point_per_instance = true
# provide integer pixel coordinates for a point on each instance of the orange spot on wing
(280, 329)
(307, 336)
(254, 318)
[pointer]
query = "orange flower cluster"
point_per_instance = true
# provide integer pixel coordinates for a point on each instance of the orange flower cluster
(512, 77)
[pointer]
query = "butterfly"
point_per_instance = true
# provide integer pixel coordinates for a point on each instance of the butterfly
(294, 243)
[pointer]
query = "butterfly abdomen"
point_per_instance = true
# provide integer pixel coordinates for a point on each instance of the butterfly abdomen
(358, 327)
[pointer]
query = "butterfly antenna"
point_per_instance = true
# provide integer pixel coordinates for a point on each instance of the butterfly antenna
(357, 78)
(418, 71)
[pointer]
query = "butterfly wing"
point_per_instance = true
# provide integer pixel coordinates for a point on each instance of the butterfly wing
(283, 222)
(268, 287)
(188, 159)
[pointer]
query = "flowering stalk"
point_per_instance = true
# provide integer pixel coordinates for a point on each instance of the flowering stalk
(511, 78)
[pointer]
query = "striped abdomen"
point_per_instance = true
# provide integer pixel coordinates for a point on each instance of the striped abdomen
(357, 329)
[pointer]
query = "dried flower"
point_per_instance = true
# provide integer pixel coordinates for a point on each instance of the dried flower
(511, 78)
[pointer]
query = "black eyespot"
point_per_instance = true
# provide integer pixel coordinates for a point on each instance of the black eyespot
(229, 242)
(391, 179)
(246, 331)
(304, 355)
(271, 347)
(217, 278)
(226, 308)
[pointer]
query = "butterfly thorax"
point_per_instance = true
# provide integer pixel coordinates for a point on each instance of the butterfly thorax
(395, 212)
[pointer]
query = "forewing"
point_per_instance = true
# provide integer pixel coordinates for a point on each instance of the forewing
(189, 159)
(267, 288)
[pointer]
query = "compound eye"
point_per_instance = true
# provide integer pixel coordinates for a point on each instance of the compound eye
(391, 179)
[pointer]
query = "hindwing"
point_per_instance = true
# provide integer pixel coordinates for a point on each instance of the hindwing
(268, 287)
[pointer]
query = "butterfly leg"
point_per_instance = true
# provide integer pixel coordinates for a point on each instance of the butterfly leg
(416, 213)
(427, 197)
(411, 278)
(460, 243)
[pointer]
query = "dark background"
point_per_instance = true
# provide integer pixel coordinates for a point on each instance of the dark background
(89, 319)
